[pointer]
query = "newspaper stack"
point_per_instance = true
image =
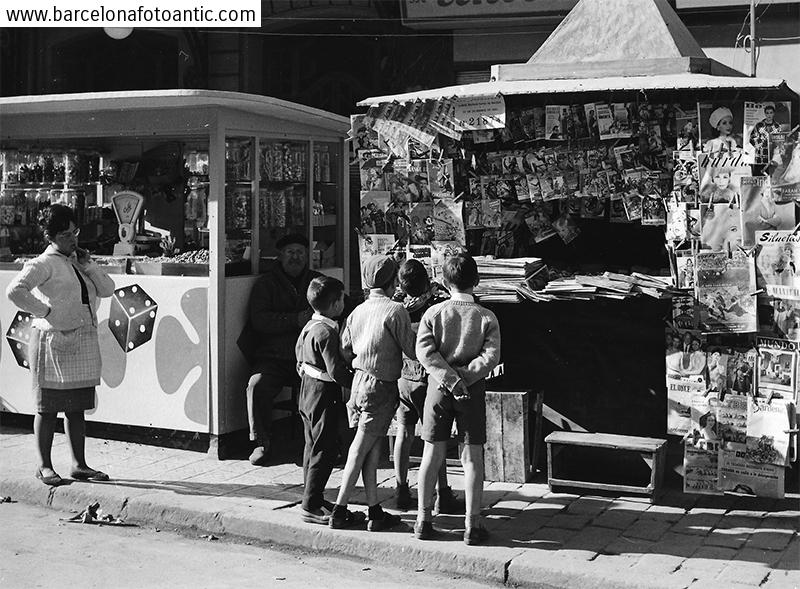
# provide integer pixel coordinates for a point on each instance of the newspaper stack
(606, 286)
(500, 278)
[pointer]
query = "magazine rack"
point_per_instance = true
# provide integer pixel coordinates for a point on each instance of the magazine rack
(652, 451)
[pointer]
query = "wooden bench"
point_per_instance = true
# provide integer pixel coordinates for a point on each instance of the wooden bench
(652, 451)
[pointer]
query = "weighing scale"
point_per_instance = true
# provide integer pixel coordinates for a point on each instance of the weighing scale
(127, 207)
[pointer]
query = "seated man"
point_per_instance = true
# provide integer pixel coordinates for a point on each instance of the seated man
(278, 310)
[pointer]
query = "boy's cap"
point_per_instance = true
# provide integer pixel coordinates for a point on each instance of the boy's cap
(378, 270)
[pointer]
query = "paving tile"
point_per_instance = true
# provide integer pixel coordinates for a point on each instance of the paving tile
(664, 513)
(770, 539)
(752, 574)
(699, 524)
(657, 565)
(618, 519)
(624, 545)
(593, 538)
(646, 529)
(677, 544)
(589, 505)
(758, 555)
(782, 579)
(708, 561)
(569, 521)
(548, 538)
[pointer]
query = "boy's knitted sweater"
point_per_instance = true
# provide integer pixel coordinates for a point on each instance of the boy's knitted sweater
(458, 340)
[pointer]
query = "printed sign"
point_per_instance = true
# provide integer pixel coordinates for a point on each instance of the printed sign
(481, 112)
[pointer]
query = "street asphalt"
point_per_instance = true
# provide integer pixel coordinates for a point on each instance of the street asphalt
(539, 539)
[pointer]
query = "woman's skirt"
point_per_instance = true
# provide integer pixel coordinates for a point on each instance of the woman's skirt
(65, 367)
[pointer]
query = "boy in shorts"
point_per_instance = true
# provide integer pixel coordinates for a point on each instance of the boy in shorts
(418, 295)
(375, 336)
(323, 372)
(458, 343)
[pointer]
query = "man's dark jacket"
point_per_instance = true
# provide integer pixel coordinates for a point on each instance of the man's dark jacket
(274, 305)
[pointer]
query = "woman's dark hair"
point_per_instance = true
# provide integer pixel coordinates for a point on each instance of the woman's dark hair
(413, 278)
(55, 219)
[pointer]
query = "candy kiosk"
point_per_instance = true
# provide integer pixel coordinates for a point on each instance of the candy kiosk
(181, 195)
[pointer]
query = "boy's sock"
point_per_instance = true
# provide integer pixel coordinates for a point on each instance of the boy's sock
(473, 521)
(375, 512)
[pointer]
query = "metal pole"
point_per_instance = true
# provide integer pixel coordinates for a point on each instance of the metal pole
(752, 38)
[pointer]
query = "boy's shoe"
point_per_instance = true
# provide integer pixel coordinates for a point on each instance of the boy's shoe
(348, 520)
(425, 531)
(449, 503)
(260, 454)
(320, 515)
(476, 535)
(403, 496)
(386, 522)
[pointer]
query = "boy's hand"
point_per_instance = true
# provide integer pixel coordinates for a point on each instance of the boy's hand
(460, 392)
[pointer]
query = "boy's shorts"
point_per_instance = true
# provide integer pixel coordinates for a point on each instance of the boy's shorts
(412, 401)
(469, 414)
(372, 403)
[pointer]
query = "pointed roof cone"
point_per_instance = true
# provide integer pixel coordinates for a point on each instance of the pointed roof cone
(616, 38)
(610, 30)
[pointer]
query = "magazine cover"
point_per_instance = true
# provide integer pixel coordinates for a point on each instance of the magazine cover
(777, 262)
(448, 221)
(677, 229)
(687, 127)
(521, 188)
(700, 471)
(723, 286)
(784, 167)
(593, 206)
(717, 370)
(684, 312)
(492, 213)
(605, 120)
(534, 189)
(592, 124)
(685, 178)
(720, 227)
(693, 222)
(720, 178)
(579, 126)
(423, 254)
(721, 127)
(421, 229)
(371, 165)
(777, 368)
(680, 392)
(440, 250)
(512, 164)
(732, 418)
(653, 212)
(625, 156)
(489, 187)
(539, 223)
(761, 119)
(785, 319)
(704, 431)
(686, 355)
(632, 201)
(370, 245)
(552, 122)
(362, 137)
(621, 125)
(741, 369)
(566, 228)
(767, 431)
(373, 210)
(760, 212)
(684, 263)
(473, 214)
(440, 177)
(739, 475)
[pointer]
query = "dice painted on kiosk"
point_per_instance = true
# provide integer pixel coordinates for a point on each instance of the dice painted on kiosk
(132, 317)
(19, 336)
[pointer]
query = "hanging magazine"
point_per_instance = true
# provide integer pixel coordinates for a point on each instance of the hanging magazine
(777, 263)
(720, 177)
(760, 212)
(724, 285)
(777, 368)
(784, 166)
(761, 119)
(700, 471)
(720, 227)
(741, 476)
(767, 436)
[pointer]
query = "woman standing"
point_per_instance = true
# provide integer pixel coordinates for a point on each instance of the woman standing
(60, 289)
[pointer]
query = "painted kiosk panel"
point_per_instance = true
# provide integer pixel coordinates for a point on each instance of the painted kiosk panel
(168, 343)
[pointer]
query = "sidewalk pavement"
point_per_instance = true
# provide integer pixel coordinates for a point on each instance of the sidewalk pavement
(539, 539)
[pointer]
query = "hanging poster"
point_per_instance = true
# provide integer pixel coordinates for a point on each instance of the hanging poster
(539, 222)
(685, 176)
(720, 227)
(687, 127)
(552, 122)
(724, 287)
(448, 222)
(720, 177)
(739, 475)
(721, 127)
(777, 367)
(373, 210)
(760, 212)
(732, 418)
(741, 371)
(784, 166)
(776, 263)
(440, 177)
(700, 471)
(761, 119)
(767, 431)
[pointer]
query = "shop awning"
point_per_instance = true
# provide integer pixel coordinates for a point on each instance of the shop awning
(160, 99)
(683, 81)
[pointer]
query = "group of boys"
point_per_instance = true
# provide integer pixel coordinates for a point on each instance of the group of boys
(427, 354)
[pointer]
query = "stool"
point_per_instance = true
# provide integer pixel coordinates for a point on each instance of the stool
(652, 451)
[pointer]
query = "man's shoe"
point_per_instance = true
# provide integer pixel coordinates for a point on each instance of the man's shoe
(476, 535)
(424, 531)
(320, 516)
(449, 503)
(346, 520)
(386, 522)
(403, 496)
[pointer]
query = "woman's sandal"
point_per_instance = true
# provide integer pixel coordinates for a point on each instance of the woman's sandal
(52, 480)
(89, 474)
